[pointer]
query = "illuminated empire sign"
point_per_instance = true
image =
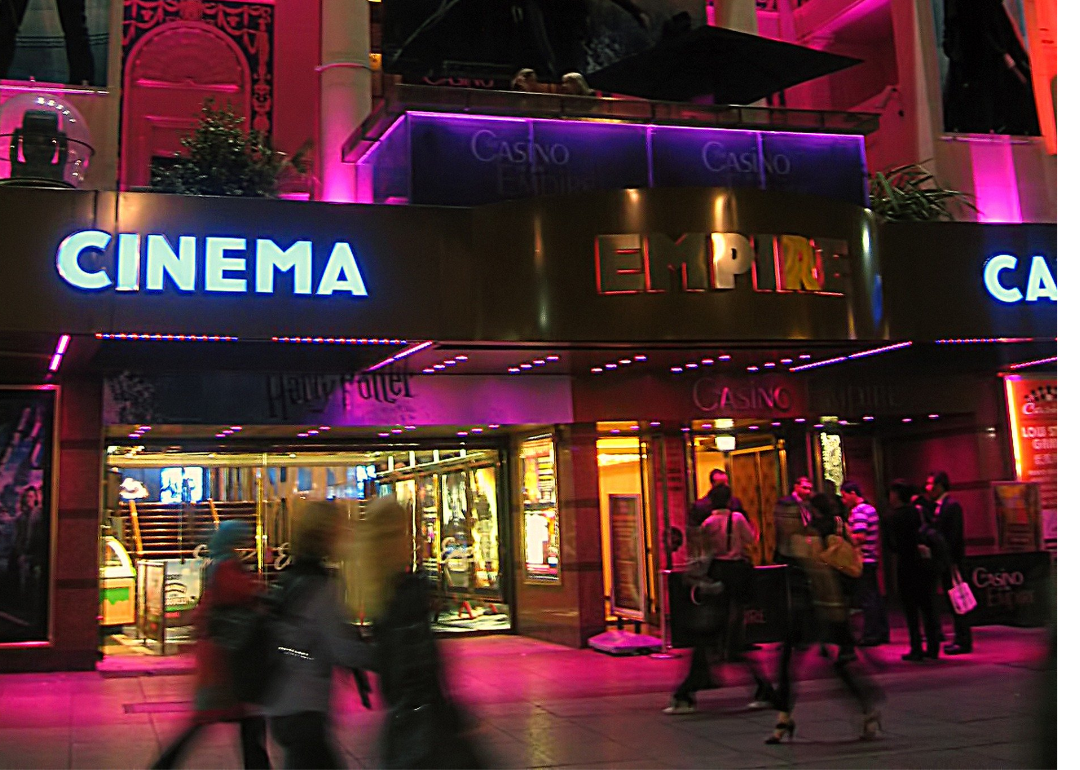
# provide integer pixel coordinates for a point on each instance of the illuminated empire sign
(696, 262)
(142, 265)
(1040, 284)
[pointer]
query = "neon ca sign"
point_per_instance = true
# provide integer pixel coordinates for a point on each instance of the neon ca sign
(1000, 280)
(212, 265)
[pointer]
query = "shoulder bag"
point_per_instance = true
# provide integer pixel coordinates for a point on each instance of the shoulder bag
(841, 554)
(963, 601)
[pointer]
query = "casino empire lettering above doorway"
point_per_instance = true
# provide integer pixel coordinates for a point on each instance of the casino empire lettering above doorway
(653, 263)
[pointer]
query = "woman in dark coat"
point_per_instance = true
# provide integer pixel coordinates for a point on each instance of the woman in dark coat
(818, 611)
(228, 583)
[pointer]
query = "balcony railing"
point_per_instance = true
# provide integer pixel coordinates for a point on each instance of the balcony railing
(403, 98)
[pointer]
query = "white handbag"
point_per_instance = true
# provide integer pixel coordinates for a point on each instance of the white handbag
(963, 601)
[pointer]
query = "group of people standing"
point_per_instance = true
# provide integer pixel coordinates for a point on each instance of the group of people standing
(923, 529)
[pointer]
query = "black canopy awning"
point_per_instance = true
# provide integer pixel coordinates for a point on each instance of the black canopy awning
(734, 67)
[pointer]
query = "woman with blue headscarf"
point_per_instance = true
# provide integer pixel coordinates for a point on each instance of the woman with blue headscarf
(227, 583)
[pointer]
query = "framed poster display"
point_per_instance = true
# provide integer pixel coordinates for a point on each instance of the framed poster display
(27, 441)
(485, 529)
(456, 548)
(1019, 516)
(1032, 405)
(540, 509)
(428, 539)
(627, 548)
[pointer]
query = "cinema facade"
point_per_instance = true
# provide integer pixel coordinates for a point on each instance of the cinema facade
(545, 382)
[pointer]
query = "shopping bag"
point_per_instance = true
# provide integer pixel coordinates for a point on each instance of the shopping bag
(841, 554)
(963, 601)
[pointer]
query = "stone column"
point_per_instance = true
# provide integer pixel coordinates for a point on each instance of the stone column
(345, 92)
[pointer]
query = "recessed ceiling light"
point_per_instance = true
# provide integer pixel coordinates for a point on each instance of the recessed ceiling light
(526, 366)
(820, 425)
(429, 370)
(933, 416)
(751, 368)
(396, 431)
(786, 361)
(776, 424)
(324, 427)
(552, 358)
(769, 364)
(755, 427)
(676, 369)
(384, 435)
(624, 361)
(477, 430)
(640, 358)
(236, 427)
(513, 370)
(708, 361)
(654, 424)
(725, 357)
(462, 358)
(610, 366)
(804, 356)
(868, 417)
(596, 370)
(707, 426)
(439, 366)
(463, 433)
(800, 419)
(906, 419)
(691, 366)
(493, 425)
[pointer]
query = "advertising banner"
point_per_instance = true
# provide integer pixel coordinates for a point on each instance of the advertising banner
(1019, 516)
(26, 450)
(627, 556)
(1010, 589)
(389, 396)
(1032, 404)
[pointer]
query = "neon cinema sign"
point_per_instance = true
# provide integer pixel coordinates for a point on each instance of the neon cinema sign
(143, 264)
(1041, 284)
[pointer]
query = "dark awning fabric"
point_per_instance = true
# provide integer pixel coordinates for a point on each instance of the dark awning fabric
(735, 67)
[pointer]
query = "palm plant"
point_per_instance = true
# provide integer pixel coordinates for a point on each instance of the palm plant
(912, 194)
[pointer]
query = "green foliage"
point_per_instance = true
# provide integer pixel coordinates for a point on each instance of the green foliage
(911, 194)
(223, 158)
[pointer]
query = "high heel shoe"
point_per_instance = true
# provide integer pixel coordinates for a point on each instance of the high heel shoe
(871, 724)
(782, 728)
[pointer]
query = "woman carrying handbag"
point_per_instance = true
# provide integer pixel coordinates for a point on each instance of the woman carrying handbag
(727, 535)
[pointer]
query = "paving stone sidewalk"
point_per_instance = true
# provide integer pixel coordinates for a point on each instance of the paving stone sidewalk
(539, 705)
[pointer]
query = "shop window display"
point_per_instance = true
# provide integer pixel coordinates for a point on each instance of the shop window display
(541, 510)
(163, 506)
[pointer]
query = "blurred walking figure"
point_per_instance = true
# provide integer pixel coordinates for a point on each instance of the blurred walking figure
(703, 507)
(228, 584)
(864, 523)
(423, 727)
(915, 575)
(727, 537)
(315, 635)
(818, 610)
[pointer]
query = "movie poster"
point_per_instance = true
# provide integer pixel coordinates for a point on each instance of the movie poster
(26, 443)
(55, 41)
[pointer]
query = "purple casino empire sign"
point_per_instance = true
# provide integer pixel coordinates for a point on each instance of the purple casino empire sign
(472, 160)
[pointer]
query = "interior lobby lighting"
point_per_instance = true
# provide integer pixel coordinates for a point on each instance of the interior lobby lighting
(58, 353)
(402, 354)
(1036, 362)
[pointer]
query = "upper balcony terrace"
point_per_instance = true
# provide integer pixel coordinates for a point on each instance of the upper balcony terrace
(459, 146)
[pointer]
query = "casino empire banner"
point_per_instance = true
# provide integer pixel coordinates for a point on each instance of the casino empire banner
(1032, 403)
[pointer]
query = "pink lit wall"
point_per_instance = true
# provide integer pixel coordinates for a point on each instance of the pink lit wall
(994, 176)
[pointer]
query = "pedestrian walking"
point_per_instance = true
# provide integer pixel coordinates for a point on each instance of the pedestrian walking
(915, 573)
(228, 584)
(818, 612)
(424, 728)
(727, 536)
(946, 517)
(314, 632)
(864, 523)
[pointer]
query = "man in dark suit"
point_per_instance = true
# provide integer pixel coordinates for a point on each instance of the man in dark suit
(703, 507)
(947, 517)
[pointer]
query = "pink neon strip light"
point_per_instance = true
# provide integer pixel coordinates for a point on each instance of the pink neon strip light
(983, 340)
(860, 354)
(1036, 362)
(58, 354)
(403, 354)
(167, 337)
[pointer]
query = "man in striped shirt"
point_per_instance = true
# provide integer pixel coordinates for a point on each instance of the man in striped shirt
(863, 521)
